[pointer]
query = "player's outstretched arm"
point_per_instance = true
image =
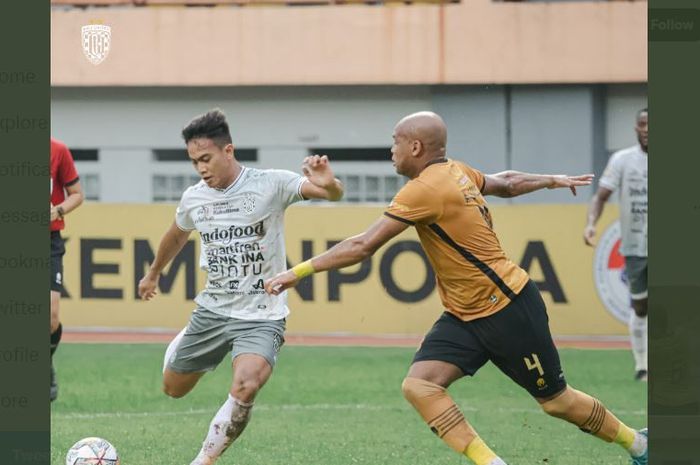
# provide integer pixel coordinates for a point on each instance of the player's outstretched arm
(513, 183)
(595, 209)
(172, 242)
(322, 183)
(348, 252)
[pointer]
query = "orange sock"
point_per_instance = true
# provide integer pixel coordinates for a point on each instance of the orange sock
(445, 419)
(586, 412)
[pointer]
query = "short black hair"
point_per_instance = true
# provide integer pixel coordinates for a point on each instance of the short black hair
(641, 112)
(211, 125)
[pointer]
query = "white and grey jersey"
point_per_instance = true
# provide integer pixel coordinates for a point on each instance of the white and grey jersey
(627, 173)
(242, 240)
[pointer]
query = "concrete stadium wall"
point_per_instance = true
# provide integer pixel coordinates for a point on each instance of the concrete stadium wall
(109, 247)
(564, 128)
(471, 42)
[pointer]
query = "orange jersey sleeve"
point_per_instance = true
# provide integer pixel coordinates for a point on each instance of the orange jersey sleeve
(415, 203)
(476, 176)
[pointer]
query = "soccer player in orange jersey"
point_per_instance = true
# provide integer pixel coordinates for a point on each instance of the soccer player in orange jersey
(493, 311)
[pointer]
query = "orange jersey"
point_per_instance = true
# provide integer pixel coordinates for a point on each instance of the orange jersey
(474, 277)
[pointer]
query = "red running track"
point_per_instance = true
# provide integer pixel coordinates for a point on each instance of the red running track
(140, 337)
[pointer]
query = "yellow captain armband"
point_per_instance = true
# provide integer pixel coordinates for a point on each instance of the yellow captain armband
(303, 269)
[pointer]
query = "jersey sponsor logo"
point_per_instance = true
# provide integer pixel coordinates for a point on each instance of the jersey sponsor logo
(609, 274)
(638, 213)
(398, 206)
(232, 287)
(249, 203)
(276, 344)
(233, 232)
(224, 208)
(258, 288)
(203, 214)
(97, 41)
(638, 191)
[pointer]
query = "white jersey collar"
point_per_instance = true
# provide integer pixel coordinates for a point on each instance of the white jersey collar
(235, 181)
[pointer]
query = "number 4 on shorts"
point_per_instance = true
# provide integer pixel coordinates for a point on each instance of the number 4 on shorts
(534, 363)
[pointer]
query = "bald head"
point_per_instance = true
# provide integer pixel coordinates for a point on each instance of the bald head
(428, 128)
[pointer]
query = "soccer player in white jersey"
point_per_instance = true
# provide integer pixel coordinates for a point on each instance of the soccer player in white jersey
(626, 173)
(238, 212)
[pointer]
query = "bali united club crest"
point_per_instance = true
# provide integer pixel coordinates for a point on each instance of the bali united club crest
(248, 203)
(97, 40)
(609, 274)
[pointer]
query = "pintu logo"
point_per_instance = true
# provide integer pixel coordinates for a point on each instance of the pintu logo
(233, 232)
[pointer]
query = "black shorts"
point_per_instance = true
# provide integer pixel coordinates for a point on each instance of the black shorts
(57, 250)
(516, 339)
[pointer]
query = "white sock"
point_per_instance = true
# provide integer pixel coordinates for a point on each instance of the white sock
(639, 445)
(228, 423)
(638, 338)
(497, 461)
(202, 459)
(170, 351)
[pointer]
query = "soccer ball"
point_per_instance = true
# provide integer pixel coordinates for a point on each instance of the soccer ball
(92, 451)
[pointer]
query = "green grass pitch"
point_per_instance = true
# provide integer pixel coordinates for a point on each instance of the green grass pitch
(326, 406)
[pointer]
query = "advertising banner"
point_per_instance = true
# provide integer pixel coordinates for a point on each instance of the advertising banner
(109, 247)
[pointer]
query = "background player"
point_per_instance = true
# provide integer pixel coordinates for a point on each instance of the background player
(64, 180)
(239, 214)
(494, 311)
(626, 172)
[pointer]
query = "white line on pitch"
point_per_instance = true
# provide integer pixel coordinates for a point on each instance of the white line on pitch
(321, 407)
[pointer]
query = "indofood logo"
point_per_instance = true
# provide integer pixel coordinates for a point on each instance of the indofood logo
(233, 232)
(97, 41)
(609, 274)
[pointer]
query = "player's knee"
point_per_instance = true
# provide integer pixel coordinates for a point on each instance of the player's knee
(54, 324)
(408, 389)
(415, 389)
(55, 321)
(55, 301)
(640, 308)
(173, 391)
(246, 389)
(561, 405)
(641, 313)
